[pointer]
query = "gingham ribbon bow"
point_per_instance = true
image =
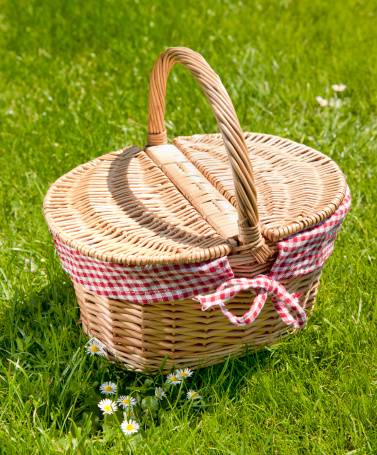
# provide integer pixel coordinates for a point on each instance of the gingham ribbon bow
(263, 285)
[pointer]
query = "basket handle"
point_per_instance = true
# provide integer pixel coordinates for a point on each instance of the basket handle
(233, 137)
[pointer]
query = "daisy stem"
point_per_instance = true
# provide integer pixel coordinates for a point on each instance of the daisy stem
(121, 431)
(179, 392)
(172, 408)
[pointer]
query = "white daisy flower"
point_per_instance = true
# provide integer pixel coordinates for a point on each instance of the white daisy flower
(192, 395)
(126, 401)
(185, 373)
(108, 388)
(107, 406)
(173, 378)
(95, 347)
(339, 87)
(159, 393)
(129, 427)
(322, 101)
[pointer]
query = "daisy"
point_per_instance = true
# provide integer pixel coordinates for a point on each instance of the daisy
(126, 401)
(95, 347)
(174, 378)
(322, 101)
(129, 427)
(339, 88)
(159, 393)
(108, 388)
(192, 395)
(107, 406)
(184, 373)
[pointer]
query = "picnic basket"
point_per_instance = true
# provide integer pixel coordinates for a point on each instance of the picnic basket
(236, 224)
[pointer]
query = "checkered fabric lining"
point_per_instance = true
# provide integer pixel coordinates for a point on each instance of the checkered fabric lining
(308, 250)
(298, 254)
(143, 284)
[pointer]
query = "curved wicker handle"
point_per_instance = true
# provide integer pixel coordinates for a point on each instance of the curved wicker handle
(233, 137)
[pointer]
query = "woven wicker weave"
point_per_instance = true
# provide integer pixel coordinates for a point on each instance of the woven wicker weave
(187, 202)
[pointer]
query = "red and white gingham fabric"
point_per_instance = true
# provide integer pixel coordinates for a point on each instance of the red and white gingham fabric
(263, 285)
(298, 255)
(143, 284)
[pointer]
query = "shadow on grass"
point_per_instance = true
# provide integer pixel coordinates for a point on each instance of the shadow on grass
(45, 368)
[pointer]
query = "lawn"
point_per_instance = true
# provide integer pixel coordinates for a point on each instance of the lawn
(73, 86)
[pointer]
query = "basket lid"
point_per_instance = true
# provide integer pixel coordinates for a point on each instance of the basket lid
(196, 199)
(297, 186)
(122, 208)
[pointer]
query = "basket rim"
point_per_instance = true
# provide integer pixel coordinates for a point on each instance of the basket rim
(222, 248)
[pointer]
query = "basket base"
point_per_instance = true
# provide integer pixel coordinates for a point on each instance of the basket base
(141, 335)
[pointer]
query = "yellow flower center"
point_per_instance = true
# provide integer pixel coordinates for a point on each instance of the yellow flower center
(173, 378)
(108, 388)
(194, 395)
(126, 401)
(158, 394)
(184, 374)
(94, 348)
(107, 408)
(129, 427)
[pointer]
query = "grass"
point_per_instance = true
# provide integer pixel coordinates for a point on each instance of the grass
(73, 86)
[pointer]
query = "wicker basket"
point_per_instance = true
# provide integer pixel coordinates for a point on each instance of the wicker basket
(186, 203)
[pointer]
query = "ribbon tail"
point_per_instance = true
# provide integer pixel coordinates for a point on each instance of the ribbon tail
(282, 300)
